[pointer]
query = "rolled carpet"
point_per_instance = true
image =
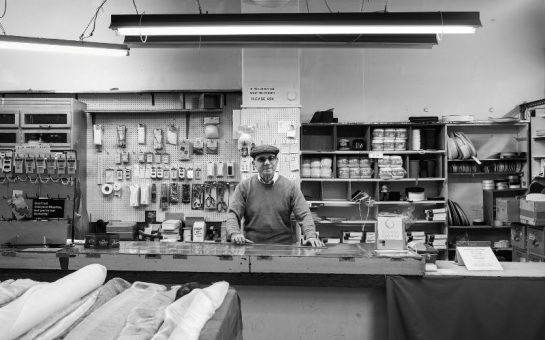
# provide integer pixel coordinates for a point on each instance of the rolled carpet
(40, 301)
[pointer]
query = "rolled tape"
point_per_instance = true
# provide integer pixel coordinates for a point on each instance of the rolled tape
(107, 189)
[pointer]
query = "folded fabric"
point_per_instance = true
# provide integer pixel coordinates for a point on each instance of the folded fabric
(143, 321)
(185, 318)
(60, 321)
(107, 292)
(107, 321)
(12, 289)
(41, 301)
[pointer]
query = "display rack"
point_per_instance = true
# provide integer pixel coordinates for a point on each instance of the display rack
(502, 147)
(332, 197)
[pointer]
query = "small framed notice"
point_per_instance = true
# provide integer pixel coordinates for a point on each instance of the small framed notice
(48, 208)
(477, 258)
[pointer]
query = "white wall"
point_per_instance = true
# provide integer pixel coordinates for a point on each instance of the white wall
(486, 74)
(144, 69)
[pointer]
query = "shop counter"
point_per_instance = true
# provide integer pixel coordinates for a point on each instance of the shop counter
(248, 264)
(454, 303)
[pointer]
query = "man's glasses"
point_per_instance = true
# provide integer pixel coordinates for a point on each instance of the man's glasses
(264, 159)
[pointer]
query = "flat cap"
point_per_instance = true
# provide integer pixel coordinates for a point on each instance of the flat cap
(258, 150)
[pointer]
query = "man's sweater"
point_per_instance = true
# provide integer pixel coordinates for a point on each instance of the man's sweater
(266, 210)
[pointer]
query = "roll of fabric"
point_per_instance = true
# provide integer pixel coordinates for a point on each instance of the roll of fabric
(41, 301)
(185, 318)
(106, 322)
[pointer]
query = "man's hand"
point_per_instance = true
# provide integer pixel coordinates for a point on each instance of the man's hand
(239, 239)
(314, 242)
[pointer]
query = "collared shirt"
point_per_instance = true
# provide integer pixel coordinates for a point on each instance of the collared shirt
(275, 178)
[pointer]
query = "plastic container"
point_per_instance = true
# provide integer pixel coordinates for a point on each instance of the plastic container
(305, 161)
(401, 133)
(344, 172)
(398, 172)
(366, 172)
(378, 133)
(353, 162)
(389, 144)
(355, 173)
(396, 160)
(365, 162)
(326, 172)
(385, 173)
(326, 162)
(315, 172)
(377, 144)
(342, 162)
(384, 161)
(389, 133)
(400, 144)
(305, 171)
(315, 163)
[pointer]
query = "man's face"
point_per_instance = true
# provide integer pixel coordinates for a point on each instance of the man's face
(265, 164)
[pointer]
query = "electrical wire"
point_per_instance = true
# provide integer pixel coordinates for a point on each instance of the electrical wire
(3, 15)
(327, 5)
(198, 2)
(93, 21)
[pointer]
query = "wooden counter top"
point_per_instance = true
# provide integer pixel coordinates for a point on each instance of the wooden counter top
(510, 269)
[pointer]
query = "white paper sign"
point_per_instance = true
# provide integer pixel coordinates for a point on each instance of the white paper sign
(390, 228)
(477, 258)
(376, 154)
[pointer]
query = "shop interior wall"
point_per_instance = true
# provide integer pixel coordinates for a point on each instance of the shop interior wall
(486, 74)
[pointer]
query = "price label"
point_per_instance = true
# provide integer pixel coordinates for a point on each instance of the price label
(376, 154)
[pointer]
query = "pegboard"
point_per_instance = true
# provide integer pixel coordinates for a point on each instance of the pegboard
(267, 124)
(117, 208)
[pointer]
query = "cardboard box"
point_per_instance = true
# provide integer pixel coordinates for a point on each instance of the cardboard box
(536, 240)
(532, 212)
(508, 210)
(518, 236)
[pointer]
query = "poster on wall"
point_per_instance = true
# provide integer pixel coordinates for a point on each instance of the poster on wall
(269, 95)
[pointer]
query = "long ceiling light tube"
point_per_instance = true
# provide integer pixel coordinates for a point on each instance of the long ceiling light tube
(297, 23)
(64, 46)
(288, 41)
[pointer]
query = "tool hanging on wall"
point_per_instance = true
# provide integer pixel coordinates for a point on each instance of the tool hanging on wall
(173, 173)
(198, 173)
(197, 197)
(141, 134)
(124, 157)
(19, 161)
(174, 194)
(40, 165)
(61, 163)
(98, 136)
(71, 163)
(210, 169)
(172, 135)
(209, 201)
(7, 162)
(164, 196)
(186, 193)
(158, 139)
(51, 164)
(153, 193)
(145, 194)
(188, 173)
(117, 189)
(185, 150)
(220, 197)
(211, 130)
(119, 174)
(134, 195)
(198, 146)
(212, 147)
(122, 136)
(165, 158)
(30, 164)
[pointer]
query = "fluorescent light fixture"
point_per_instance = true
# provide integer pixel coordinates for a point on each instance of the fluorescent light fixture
(296, 24)
(64, 46)
(288, 41)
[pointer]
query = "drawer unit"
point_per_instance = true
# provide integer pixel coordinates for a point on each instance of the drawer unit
(55, 138)
(535, 239)
(46, 119)
(518, 236)
(520, 255)
(9, 119)
(532, 212)
(9, 137)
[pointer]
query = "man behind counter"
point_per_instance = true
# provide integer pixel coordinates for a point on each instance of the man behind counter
(265, 202)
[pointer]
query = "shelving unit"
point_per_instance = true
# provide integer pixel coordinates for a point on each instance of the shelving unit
(492, 140)
(331, 196)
